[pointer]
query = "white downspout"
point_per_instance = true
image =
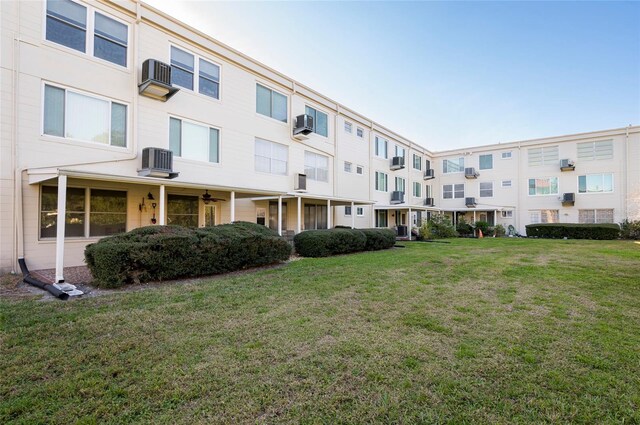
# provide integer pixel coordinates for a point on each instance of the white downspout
(280, 215)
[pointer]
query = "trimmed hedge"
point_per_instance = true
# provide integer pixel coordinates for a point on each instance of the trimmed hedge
(170, 252)
(324, 243)
(573, 230)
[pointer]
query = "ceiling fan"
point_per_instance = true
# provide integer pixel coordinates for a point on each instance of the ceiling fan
(207, 198)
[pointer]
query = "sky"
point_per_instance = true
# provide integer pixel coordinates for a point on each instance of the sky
(447, 74)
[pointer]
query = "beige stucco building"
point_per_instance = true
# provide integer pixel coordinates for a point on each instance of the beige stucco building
(91, 123)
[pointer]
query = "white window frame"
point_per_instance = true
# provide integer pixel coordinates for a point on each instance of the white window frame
(507, 183)
(480, 189)
(506, 155)
(451, 160)
(316, 157)
(403, 183)
(553, 161)
(92, 95)
(268, 87)
(196, 74)
(400, 151)
(544, 194)
(386, 147)
(418, 193)
(201, 124)
(596, 219)
(348, 127)
(419, 162)
(613, 188)
(348, 167)
(453, 190)
(345, 211)
(480, 163)
(538, 214)
(90, 33)
(594, 148)
(506, 214)
(360, 132)
(270, 158)
(386, 181)
(361, 168)
(359, 212)
(317, 111)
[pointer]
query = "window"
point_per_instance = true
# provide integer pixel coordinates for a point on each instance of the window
(450, 191)
(506, 155)
(182, 210)
(348, 127)
(381, 147)
(271, 157)
(381, 218)
(184, 66)
(400, 185)
(399, 151)
(316, 166)
(544, 186)
(107, 213)
(72, 115)
(261, 216)
(193, 141)
(506, 214)
(348, 167)
(591, 151)
(347, 211)
(315, 217)
(359, 211)
(273, 216)
(417, 190)
(427, 191)
(381, 181)
(453, 165)
(67, 25)
(486, 162)
(360, 132)
(595, 216)
(417, 162)
(506, 183)
(544, 216)
(486, 189)
(595, 183)
(320, 121)
(547, 155)
(359, 169)
(271, 103)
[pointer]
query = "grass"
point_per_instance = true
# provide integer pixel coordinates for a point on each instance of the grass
(475, 331)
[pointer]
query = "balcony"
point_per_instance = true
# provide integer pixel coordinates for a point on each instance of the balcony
(397, 197)
(471, 173)
(470, 202)
(429, 174)
(397, 163)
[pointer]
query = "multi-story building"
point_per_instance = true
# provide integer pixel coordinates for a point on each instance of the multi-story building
(116, 116)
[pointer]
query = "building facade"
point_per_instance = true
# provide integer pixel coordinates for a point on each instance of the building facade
(89, 121)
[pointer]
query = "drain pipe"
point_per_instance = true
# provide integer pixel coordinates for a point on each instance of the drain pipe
(27, 278)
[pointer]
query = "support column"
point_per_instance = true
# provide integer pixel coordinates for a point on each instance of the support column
(353, 215)
(409, 224)
(495, 218)
(328, 213)
(474, 223)
(162, 219)
(60, 227)
(299, 225)
(280, 215)
(233, 206)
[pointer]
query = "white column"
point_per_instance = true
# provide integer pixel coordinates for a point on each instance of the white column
(353, 215)
(474, 223)
(233, 206)
(299, 225)
(409, 224)
(162, 217)
(280, 215)
(328, 213)
(60, 223)
(495, 217)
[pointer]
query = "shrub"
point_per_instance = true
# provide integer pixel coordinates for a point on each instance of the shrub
(441, 227)
(630, 229)
(323, 243)
(573, 231)
(424, 232)
(171, 252)
(463, 227)
(500, 230)
(484, 227)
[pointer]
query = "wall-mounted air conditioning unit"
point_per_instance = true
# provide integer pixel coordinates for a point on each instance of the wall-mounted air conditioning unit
(429, 174)
(303, 126)
(567, 165)
(471, 173)
(300, 182)
(397, 197)
(157, 162)
(156, 80)
(397, 163)
(470, 202)
(429, 202)
(568, 199)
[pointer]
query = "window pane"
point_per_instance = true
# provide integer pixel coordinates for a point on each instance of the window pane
(53, 111)
(118, 125)
(175, 136)
(110, 40)
(182, 210)
(214, 140)
(74, 219)
(607, 182)
(108, 212)
(111, 29)
(109, 51)
(182, 78)
(486, 162)
(195, 142)
(279, 107)
(209, 70)
(263, 100)
(182, 59)
(66, 24)
(322, 124)
(209, 88)
(87, 118)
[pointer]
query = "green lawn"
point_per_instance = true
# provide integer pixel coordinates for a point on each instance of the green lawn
(474, 331)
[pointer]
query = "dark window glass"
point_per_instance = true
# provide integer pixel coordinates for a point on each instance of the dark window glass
(74, 218)
(108, 212)
(67, 24)
(110, 40)
(182, 210)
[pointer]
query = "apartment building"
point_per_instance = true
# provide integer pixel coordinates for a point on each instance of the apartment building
(116, 116)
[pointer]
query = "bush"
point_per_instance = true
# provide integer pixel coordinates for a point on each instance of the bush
(630, 229)
(424, 232)
(499, 230)
(440, 227)
(573, 231)
(463, 227)
(323, 243)
(484, 227)
(171, 252)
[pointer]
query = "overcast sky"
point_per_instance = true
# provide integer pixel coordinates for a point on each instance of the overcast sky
(447, 75)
